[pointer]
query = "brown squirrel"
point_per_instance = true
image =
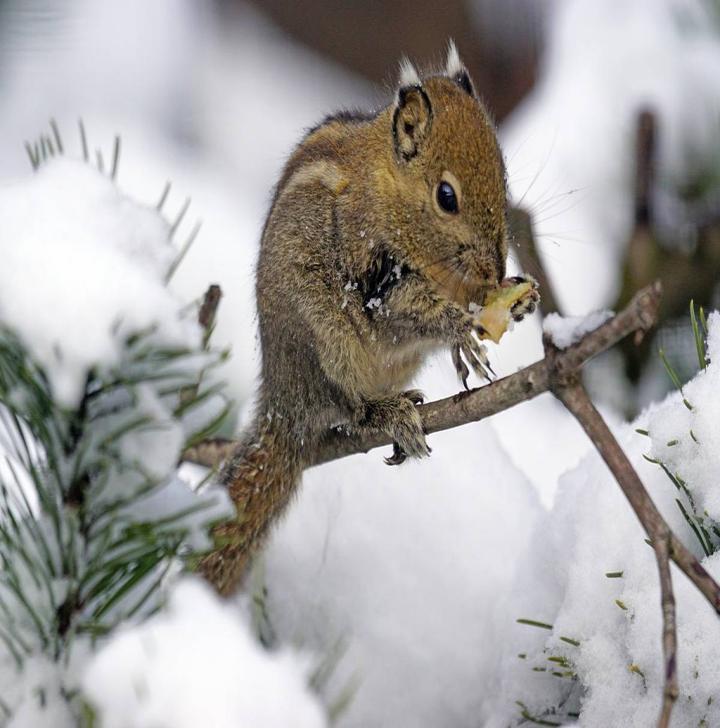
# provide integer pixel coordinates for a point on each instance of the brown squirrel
(384, 229)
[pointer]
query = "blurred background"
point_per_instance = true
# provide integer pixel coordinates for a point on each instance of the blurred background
(609, 117)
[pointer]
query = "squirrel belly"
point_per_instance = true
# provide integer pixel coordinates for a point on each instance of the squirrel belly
(383, 230)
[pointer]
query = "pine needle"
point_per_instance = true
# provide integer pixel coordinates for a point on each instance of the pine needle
(698, 336)
(56, 135)
(83, 141)
(116, 158)
(180, 216)
(183, 251)
(534, 623)
(164, 196)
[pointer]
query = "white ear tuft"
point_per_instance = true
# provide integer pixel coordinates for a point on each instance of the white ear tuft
(408, 74)
(453, 65)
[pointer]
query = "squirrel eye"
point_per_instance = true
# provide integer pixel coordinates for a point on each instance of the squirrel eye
(446, 197)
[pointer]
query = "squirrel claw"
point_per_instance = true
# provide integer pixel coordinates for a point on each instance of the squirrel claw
(528, 303)
(415, 396)
(476, 355)
(398, 457)
(460, 367)
(399, 418)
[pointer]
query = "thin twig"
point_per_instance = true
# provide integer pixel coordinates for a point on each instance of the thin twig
(669, 637)
(573, 396)
(666, 545)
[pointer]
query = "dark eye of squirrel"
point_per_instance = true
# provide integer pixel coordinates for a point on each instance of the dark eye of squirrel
(446, 197)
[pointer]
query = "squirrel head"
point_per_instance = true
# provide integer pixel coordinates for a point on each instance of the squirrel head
(447, 182)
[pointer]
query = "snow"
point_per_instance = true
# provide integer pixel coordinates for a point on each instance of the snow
(83, 269)
(72, 220)
(195, 664)
(684, 440)
(591, 531)
(409, 568)
(564, 331)
(39, 696)
(420, 570)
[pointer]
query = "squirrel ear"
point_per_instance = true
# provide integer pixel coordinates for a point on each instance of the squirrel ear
(455, 70)
(408, 73)
(411, 121)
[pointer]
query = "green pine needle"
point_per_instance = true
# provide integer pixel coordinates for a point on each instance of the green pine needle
(670, 370)
(534, 623)
(699, 337)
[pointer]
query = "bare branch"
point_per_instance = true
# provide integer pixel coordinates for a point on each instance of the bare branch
(664, 542)
(669, 637)
(465, 407)
(573, 396)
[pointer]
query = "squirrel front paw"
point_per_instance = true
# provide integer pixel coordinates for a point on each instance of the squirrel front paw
(468, 348)
(528, 302)
(399, 418)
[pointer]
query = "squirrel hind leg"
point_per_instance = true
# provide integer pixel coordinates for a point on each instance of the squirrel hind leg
(399, 418)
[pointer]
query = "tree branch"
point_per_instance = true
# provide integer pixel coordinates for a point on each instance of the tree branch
(666, 545)
(465, 407)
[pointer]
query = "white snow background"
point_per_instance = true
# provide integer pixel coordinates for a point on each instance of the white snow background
(418, 572)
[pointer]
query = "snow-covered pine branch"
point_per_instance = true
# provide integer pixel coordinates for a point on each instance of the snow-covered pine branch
(102, 385)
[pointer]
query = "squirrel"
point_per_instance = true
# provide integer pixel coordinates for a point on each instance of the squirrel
(384, 230)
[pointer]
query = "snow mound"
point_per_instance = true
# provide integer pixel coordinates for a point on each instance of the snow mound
(589, 576)
(686, 438)
(408, 569)
(83, 268)
(197, 664)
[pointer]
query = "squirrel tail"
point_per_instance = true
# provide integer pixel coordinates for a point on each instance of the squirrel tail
(261, 476)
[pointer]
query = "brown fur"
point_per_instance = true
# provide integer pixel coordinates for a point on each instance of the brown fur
(356, 206)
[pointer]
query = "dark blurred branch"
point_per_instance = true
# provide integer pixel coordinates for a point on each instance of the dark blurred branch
(206, 319)
(644, 168)
(522, 236)
(684, 274)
